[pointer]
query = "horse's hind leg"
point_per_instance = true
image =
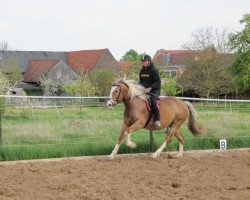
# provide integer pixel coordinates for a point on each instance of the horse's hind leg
(181, 142)
(167, 141)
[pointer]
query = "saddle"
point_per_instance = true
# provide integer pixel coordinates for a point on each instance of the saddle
(148, 104)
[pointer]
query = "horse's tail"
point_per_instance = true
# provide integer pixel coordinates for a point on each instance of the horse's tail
(192, 126)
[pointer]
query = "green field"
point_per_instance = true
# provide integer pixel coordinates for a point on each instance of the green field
(49, 133)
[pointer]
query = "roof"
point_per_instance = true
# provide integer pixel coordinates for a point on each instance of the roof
(85, 59)
(26, 86)
(124, 65)
(38, 68)
(162, 51)
(175, 57)
(23, 57)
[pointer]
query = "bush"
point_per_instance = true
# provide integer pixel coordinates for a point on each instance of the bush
(102, 79)
(83, 87)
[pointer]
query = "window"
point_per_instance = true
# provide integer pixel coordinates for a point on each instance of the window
(173, 73)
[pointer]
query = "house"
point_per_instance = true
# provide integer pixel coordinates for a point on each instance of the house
(87, 60)
(126, 65)
(49, 68)
(24, 57)
(35, 64)
(173, 61)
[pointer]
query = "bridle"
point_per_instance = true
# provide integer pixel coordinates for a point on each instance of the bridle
(116, 100)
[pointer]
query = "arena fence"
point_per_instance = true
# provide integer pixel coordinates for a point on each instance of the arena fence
(50, 121)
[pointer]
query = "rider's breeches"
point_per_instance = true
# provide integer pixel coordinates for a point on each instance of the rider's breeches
(154, 108)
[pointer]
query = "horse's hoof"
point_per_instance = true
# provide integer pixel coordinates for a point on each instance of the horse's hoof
(133, 146)
(111, 157)
(179, 155)
(154, 156)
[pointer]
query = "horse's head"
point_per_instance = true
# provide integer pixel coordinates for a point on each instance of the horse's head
(118, 92)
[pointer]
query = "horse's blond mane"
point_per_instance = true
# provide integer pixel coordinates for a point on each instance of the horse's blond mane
(135, 90)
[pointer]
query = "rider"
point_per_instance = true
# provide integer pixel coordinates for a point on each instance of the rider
(150, 80)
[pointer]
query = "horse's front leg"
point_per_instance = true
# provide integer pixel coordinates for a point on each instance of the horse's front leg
(119, 141)
(129, 142)
(135, 126)
(126, 131)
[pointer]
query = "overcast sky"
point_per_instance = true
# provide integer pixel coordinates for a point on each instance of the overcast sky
(120, 25)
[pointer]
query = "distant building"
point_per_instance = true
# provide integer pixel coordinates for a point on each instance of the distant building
(48, 68)
(23, 58)
(173, 61)
(87, 60)
(126, 65)
(35, 64)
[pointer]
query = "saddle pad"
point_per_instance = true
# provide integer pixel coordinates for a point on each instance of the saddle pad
(148, 104)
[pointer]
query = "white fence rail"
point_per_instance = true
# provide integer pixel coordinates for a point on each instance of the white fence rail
(44, 101)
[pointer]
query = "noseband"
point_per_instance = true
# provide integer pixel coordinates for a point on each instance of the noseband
(114, 101)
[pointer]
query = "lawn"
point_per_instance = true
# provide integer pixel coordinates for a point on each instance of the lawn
(30, 133)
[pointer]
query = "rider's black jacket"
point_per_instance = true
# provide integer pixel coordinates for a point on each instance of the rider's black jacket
(150, 78)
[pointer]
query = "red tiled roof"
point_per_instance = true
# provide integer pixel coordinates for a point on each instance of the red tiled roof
(177, 57)
(124, 65)
(38, 68)
(162, 51)
(84, 60)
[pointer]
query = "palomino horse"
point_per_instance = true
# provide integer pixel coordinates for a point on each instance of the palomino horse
(173, 113)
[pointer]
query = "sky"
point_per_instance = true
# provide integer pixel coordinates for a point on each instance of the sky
(119, 25)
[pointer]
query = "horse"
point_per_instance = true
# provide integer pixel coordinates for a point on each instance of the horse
(173, 113)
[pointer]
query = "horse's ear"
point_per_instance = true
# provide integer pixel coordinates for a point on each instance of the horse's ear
(116, 82)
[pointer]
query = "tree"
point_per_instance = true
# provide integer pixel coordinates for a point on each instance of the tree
(81, 87)
(206, 71)
(102, 80)
(10, 67)
(131, 55)
(169, 84)
(55, 85)
(93, 83)
(133, 72)
(240, 69)
(240, 41)
(4, 46)
(12, 71)
(4, 84)
(209, 38)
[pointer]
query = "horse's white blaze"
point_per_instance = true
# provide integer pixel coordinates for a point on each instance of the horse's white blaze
(111, 103)
(111, 91)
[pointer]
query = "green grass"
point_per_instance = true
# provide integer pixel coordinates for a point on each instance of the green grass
(53, 133)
